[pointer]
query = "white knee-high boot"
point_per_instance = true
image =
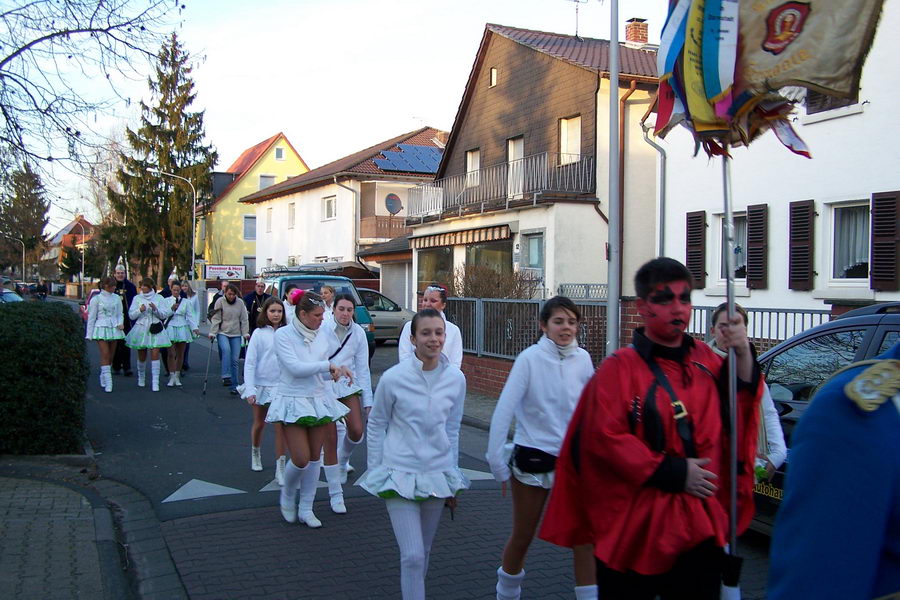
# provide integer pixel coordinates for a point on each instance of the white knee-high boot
(154, 373)
(308, 494)
(103, 377)
(335, 491)
(142, 373)
(106, 377)
(292, 476)
(586, 592)
(345, 449)
(509, 587)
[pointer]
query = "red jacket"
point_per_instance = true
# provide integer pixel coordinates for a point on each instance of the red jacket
(614, 491)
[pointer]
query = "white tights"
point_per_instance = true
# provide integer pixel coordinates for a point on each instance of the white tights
(415, 524)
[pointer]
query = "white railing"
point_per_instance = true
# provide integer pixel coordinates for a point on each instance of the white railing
(514, 180)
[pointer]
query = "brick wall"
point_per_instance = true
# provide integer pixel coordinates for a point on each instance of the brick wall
(486, 375)
(629, 319)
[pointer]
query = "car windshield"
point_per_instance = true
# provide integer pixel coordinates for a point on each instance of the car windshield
(340, 286)
(11, 297)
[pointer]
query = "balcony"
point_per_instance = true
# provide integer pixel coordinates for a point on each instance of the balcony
(386, 227)
(498, 186)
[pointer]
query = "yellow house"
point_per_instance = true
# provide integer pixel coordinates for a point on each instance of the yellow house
(226, 229)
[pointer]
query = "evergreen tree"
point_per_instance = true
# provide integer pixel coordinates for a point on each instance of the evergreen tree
(157, 208)
(23, 216)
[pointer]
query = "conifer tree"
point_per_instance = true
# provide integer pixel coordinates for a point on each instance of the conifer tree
(23, 216)
(170, 138)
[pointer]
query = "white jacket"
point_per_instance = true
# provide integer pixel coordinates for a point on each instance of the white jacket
(148, 317)
(185, 316)
(105, 310)
(194, 302)
(541, 391)
(261, 366)
(304, 365)
(355, 356)
(453, 348)
(414, 428)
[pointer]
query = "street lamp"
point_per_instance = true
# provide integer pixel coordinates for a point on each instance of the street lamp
(23, 254)
(81, 277)
(156, 171)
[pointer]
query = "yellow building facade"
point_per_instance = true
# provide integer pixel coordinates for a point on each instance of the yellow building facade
(226, 229)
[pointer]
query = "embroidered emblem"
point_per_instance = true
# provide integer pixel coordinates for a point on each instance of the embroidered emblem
(875, 386)
(783, 25)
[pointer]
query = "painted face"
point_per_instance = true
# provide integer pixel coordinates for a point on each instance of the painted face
(562, 327)
(275, 313)
(343, 312)
(429, 338)
(667, 312)
(230, 295)
(313, 318)
(260, 288)
(432, 299)
(327, 296)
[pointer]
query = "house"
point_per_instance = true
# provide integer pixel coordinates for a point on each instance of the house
(820, 233)
(522, 186)
(75, 234)
(334, 211)
(395, 259)
(226, 229)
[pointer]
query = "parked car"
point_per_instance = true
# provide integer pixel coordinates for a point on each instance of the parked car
(8, 296)
(795, 368)
(277, 281)
(388, 316)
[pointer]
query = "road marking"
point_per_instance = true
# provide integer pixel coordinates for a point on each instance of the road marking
(476, 475)
(197, 488)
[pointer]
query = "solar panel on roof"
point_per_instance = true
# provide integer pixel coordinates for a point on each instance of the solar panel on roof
(411, 159)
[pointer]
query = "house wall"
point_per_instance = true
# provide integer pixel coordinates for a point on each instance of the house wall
(854, 156)
(396, 282)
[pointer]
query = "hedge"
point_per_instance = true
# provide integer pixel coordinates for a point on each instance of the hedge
(42, 350)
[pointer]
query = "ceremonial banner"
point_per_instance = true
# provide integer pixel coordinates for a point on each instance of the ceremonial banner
(720, 35)
(818, 44)
(702, 114)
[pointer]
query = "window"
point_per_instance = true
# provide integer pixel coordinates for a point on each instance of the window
(890, 339)
(817, 102)
(292, 261)
(250, 266)
(279, 153)
(534, 251)
(569, 140)
(249, 227)
(291, 209)
(494, 255)
(329, 208)
(473, 164)
(851, 242)
(493, 77)
(265, 181)
(434, 264)
(740, 248)
(269, 220)
(268, 262)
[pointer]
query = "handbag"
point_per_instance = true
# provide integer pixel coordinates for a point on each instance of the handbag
(156, 328)
(532, 460)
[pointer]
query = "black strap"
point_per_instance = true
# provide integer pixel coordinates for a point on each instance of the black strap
(683, 424)
(346, 339)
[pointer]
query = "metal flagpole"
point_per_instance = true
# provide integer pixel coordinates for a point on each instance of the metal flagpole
(732, 367)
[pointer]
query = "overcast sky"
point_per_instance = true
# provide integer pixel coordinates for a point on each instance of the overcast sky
(337, 76)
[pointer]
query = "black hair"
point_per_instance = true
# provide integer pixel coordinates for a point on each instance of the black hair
(175, 282)
(422, 314)
(657, 271)
(288, 289)
(724, 307)
(263, 319)
(346, 297)
(106, 282)
(558, 302)
(147, 282)
(232, 287)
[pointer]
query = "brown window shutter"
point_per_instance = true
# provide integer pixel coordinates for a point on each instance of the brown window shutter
(885, 238)
(800, 261)
(696, 247)
(758, 246)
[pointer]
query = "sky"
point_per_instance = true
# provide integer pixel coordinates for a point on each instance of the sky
(337, 76)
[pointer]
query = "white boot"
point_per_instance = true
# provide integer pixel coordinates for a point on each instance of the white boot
(335, 492)
(154, 374)
(142, 374)
(586, 592)
(509, 587)
(308, 494)
(279, 469)
(344, 450)
(255, 459)
(288, 497)
(177, 379)
(106, 374)
(103, 377)
(171, 382)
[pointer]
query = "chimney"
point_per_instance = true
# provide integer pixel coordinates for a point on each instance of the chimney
(636, 32)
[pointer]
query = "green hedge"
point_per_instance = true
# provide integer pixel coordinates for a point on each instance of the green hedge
(42, 350)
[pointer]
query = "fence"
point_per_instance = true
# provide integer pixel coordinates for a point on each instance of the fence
(766, 327)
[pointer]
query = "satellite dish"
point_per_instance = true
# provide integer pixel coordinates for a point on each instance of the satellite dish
(393, 204)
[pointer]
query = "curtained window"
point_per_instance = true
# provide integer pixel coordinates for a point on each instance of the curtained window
(740, 248)
(851, 242)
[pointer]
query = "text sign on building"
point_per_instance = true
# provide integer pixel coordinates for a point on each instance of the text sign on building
(225, 272)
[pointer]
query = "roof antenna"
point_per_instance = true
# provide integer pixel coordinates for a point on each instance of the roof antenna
(577, 2)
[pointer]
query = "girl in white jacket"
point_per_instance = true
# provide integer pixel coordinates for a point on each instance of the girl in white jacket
(541, 392)
(183, 325)
(148, 313)
(435, 296)
(352, 353)
(304, 402)
(106, 324)
(413, 446)
(261, 374)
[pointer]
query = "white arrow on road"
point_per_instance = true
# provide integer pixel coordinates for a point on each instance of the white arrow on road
(197, 488)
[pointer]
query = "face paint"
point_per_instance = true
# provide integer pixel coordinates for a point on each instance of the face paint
(667, 312)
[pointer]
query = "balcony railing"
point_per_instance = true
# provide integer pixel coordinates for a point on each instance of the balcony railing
(382, 227)
(543, 173)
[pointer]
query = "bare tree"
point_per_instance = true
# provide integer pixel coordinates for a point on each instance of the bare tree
(480, 281)
(53, 53)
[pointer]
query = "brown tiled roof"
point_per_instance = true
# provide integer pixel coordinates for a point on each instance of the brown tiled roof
(361, 162)
(588, 53)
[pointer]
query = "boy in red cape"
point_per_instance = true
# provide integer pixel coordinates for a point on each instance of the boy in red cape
(643, 473)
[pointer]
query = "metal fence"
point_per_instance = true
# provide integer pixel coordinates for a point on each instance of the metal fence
(766, 327)
(587, 291)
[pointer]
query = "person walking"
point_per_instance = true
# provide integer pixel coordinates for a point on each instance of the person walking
(126, 291)
(435, 296)
(106, 325)
(261, 375)
(193, 299)
(148, 332)
(342, 438)
(181, 327)
(304, 403)
(541, 393)
(413, 446)
(229, 327)
(254, 301)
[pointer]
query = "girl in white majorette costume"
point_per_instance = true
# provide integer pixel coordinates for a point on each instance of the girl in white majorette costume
(182, 328)
(261, 374)
(106, 324)
(148, 332)
(304, 403)
(342, 438)
(413, 446)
